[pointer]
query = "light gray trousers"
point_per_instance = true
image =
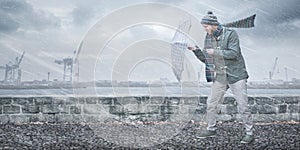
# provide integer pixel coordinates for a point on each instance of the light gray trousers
(239, 90)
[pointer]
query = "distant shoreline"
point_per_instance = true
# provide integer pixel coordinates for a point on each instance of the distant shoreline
(70, 86)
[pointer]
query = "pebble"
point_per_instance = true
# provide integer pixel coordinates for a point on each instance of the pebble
(80, 136)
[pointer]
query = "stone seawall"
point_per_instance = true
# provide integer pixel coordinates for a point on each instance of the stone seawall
(143, 108)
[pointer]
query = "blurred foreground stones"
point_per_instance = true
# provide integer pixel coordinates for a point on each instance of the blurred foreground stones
(275, 135)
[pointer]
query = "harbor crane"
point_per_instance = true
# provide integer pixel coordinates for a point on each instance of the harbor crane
(13, 71)
(68, 67)
(69, 64)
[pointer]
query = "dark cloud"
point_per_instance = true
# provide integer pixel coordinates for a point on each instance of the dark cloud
(17, 14)
(7, 24)
(276, 18)
(14, 6)
(281, 11)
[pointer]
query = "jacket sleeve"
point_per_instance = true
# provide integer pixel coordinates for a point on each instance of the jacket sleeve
(233, 48)
(199, 54)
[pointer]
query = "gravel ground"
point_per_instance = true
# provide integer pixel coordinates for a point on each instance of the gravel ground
(276, 135)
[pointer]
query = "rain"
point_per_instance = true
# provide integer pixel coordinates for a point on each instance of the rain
(66, 58)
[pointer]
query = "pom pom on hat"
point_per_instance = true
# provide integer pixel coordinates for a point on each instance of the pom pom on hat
(210, 19)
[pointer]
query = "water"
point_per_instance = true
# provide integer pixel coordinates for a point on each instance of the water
(139, 91)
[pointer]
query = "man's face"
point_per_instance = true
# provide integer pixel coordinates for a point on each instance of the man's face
(209, 28)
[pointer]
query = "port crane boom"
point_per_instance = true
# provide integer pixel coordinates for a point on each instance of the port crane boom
(271, 74)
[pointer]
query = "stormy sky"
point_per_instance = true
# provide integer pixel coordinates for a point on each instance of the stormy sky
(49, 30)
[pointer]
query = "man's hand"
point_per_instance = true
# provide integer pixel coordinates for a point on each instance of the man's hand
(210, 51)
(191, 48)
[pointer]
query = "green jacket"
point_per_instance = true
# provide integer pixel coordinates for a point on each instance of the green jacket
(228, 61)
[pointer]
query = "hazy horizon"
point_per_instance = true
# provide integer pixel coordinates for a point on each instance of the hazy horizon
(52, 30)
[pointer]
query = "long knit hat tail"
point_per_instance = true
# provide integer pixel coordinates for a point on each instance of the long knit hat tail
(243, 23)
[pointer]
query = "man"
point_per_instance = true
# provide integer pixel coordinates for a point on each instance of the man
(225, 67)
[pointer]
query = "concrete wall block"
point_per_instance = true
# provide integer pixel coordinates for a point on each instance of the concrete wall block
(138, 100)
(142, 108)
(11, 109)
(185, 109)
(129, 100)
(63, 118)
(292, 100)
(47, 100)
(165, 117)
(157, 100)
(295, 116)
(253, 109)
(105, 100)
(59, 100)
(203, 100)
(278, 100)
(264, 100)
(18, 118)
(251, 101)
(94, 109)
(229, 100)
(33, 118)
(152, 117)
(50, 118)
(293, 108)
(75, 109)
(72, 101)
(50, 109)
(22, 100)
(172, 100)
(282, 108)
(132, 109)
(266, 109)
(38, 101)
(92, 118)
(81, 100)
(31, 109)
(282, 117)
(169, 109)
(265, 117)
(231, 109)
(63, 109)
(150, 109)
(192, 111)
(181, 117)
(5, 100)
(91, 100)
(201, 109)
(4, 119)
(42, 100)
(117, 109)
(117, 101)
(190, 101)
(153, 109)
(227, 117)
(145, 99)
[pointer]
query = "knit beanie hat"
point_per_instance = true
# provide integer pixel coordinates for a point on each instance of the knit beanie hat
(210, 19)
